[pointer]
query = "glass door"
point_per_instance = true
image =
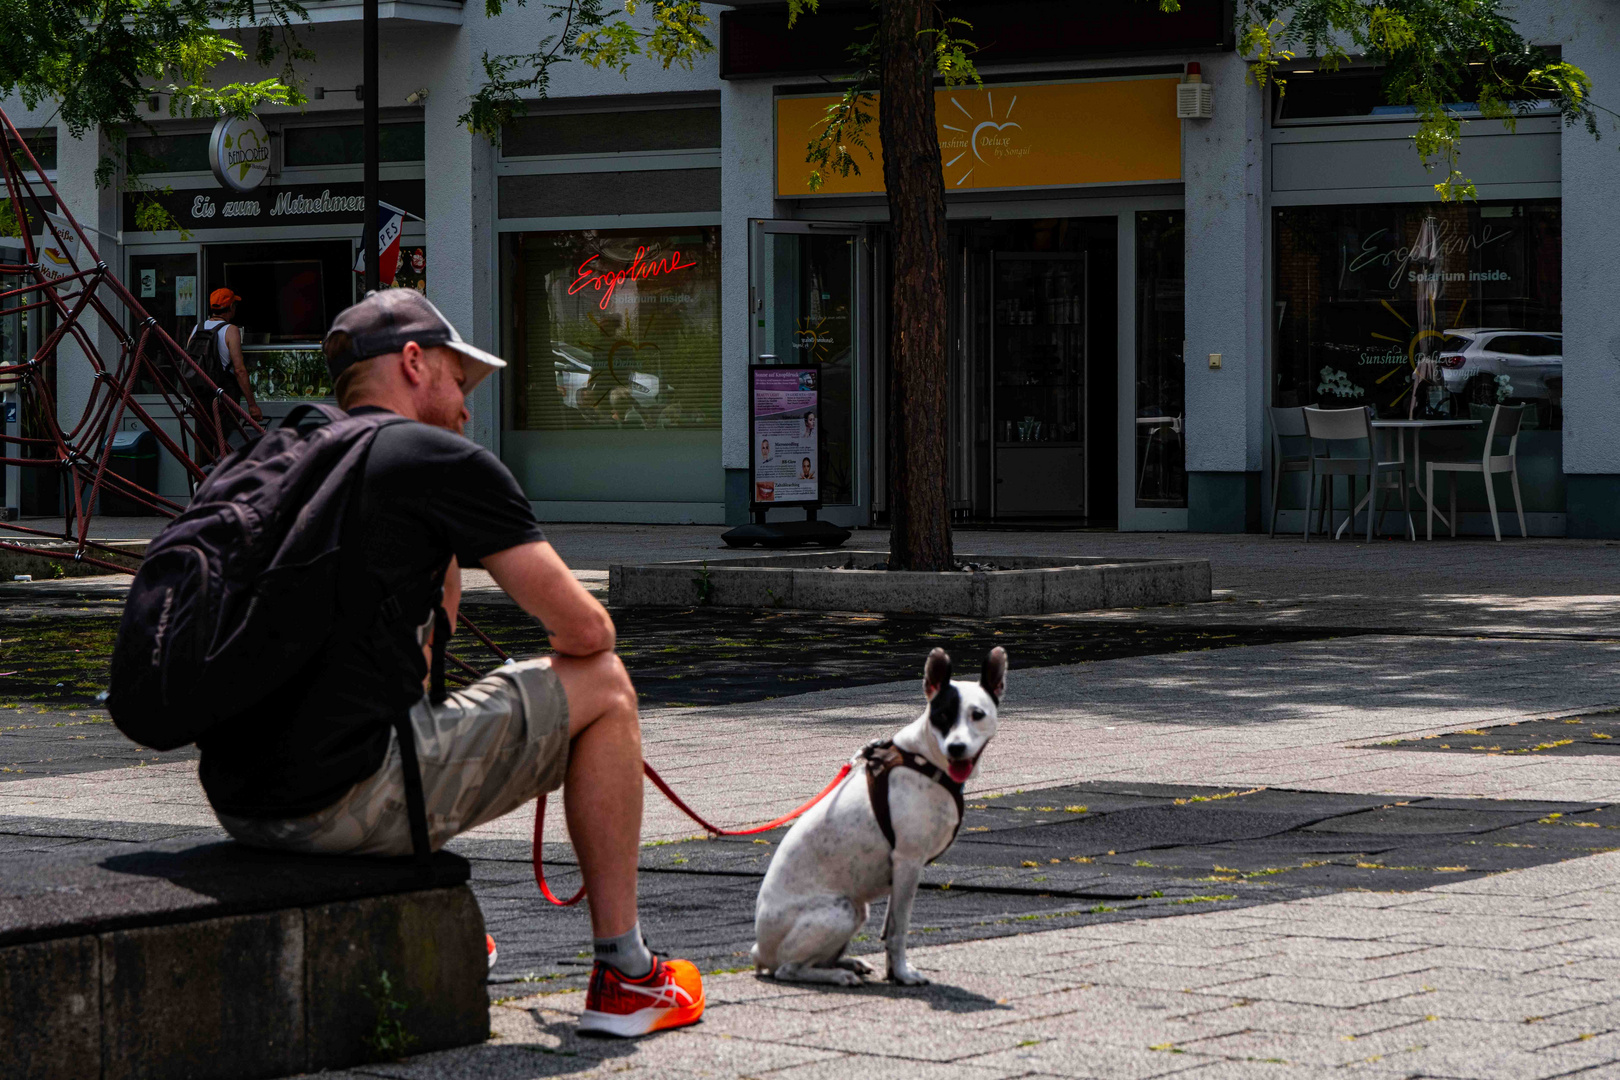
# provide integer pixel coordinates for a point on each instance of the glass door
(1038, 383)
(807, 304)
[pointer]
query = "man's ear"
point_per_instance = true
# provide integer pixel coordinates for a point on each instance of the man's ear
(413, 362)
(936, 673)
(994, 676)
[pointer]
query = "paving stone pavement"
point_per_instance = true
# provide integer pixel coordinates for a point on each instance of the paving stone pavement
(1511, 975)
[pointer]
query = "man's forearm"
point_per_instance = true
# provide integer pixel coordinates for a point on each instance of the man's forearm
(244, 382)
(542, 585)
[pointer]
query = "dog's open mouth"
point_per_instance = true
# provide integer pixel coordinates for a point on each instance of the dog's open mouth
(961, 770)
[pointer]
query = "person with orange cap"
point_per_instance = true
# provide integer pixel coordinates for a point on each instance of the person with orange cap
(232, 374)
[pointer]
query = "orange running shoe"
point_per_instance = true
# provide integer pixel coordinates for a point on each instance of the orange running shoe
(489, 947)
(668, 996)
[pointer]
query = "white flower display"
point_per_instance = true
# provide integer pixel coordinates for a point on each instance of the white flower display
(1338, 384)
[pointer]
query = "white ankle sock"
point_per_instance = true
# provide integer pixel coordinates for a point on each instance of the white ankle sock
(627, 952)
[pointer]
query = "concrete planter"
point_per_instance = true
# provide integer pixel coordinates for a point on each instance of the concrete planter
(850, 581)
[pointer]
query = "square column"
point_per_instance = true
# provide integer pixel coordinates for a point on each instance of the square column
(747, 190)
(458, 171)
(96, 209)
(1224, 178)
(1591, 283)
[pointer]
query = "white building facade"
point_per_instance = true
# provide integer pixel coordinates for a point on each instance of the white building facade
(1130, 292)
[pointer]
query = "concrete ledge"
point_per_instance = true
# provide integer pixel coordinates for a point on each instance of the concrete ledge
(850, 581)
(221, 961)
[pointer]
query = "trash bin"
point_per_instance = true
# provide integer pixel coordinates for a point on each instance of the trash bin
(135, 457)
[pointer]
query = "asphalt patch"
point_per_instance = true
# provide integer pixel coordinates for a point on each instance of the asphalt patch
(1597, 733)
(1056, 857)
(1181, 849)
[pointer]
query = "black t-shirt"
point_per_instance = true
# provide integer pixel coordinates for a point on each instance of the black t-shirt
(428, 494)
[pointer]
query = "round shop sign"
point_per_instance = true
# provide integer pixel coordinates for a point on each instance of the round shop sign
(239, 152)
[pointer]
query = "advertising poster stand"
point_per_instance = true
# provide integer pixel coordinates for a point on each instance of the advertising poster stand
(784, 458)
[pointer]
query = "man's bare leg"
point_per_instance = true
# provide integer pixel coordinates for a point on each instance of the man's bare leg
(603, 792)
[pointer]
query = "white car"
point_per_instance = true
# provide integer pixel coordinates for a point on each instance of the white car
(1527, 357)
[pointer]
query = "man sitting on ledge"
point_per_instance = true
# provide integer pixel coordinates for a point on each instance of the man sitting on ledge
(317, 767)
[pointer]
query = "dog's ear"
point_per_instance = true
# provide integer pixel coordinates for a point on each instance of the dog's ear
(994, 676)
(936, 673)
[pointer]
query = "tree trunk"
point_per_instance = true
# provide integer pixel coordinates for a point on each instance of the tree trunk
(919, 500)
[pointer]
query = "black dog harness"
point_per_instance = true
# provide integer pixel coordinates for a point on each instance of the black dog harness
(882, 758)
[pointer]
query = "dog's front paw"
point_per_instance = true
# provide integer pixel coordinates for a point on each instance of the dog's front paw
(906, 975)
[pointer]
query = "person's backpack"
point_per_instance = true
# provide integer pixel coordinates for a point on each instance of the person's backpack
(240, 591)
(203, 348)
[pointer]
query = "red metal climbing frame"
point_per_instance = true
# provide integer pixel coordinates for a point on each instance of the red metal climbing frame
(67, 283)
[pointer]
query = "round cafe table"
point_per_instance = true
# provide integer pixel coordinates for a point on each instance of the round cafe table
(1415, 477)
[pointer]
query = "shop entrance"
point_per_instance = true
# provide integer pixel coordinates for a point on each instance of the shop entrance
(807, 290)
(1034, 373)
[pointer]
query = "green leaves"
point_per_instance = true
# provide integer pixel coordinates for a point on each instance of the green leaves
(671, 32)
(1440, 57)
(102, 59)
(850, 118)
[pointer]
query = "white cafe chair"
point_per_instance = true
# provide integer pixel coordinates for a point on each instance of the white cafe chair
(1353, 425)
(1505, 423)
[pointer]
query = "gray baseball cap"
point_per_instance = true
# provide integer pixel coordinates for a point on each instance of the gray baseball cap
(384, 320)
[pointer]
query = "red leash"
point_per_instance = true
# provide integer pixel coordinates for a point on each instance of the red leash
(658, 782)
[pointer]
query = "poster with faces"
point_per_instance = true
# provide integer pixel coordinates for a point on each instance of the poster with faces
(786, 435)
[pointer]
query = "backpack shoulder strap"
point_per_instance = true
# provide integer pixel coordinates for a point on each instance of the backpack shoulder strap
(332, 413)
(415, 801)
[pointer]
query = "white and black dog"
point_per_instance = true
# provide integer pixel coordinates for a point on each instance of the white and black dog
(898, 810)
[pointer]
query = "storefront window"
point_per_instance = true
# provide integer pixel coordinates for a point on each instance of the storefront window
(43, 146)
(290, 293)
(169, 153)
(166, 286)
(552, 134)
(614, 390)
(345, 145)
(1364, 294)
(1161, 471)
(1462, 301)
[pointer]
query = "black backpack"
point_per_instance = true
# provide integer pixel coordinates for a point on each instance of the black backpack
(203, 348)
(239, 592)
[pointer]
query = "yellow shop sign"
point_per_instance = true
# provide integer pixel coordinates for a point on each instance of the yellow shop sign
(1116, 131)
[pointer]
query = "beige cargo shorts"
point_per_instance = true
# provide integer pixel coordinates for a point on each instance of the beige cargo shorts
(490, 748)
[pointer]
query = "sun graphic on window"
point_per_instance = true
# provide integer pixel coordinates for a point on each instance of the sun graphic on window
(809, 339)
(1412, 340)
(962, 160)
